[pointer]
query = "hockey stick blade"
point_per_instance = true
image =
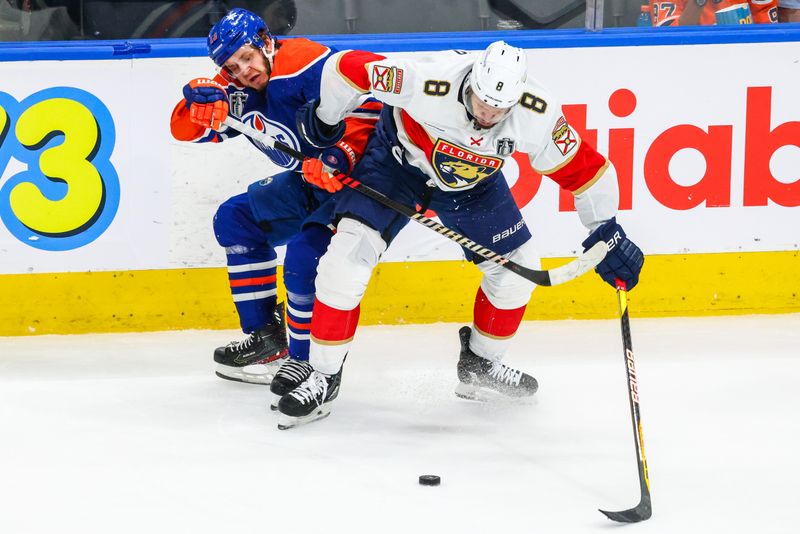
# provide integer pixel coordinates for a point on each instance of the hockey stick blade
(580, 265)
(577, 267)
(643, 510)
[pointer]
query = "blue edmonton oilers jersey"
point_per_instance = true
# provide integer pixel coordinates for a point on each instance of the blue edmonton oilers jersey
(273, 111)
(294, 80)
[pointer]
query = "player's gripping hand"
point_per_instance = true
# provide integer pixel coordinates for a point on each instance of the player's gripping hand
(317, 173)
(313, 130)
(624, 259)
(207, 102)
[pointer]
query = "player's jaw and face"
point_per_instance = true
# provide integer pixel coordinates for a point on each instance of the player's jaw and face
(485, 115)
(249, 65)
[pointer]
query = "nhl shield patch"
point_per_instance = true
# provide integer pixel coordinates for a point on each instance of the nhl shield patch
(387, 79)
(458, 167)
(563, 136)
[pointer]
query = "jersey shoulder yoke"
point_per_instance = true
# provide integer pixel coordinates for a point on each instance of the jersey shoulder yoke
(296, 55)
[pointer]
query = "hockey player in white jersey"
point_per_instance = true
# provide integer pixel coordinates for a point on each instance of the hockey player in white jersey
(450, 120)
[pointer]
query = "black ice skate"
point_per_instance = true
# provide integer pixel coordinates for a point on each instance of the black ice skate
(482, 379)
(291, 374)
(258, 357)
(310, 401)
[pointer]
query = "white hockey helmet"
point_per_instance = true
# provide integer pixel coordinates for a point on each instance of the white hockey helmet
(499, 74)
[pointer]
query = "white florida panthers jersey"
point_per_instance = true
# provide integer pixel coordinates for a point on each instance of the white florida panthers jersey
(439, 137)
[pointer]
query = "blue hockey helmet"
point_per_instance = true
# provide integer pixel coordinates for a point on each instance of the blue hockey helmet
(236, 29)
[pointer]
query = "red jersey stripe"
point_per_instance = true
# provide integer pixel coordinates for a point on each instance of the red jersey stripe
(584, 167)
(298, 326)
(417, 134)
(260, 281)
(353, 68)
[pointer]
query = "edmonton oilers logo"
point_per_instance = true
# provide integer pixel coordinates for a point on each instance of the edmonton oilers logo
(279, 132)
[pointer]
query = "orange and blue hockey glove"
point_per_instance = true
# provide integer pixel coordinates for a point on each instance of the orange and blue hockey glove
(317, 173)
(207, 102)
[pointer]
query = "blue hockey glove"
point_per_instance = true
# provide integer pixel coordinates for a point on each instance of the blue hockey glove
(319, 172)
(624, 259)
(341, 157)
(313, 130)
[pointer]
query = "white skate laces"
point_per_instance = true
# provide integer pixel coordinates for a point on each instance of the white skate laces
(505, 374)
(243, 344)
(294, 370)
(314, 389)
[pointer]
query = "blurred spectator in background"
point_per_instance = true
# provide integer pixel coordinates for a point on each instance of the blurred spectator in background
(186, 18)
(666, 13)
(36, 20)
(708, 12)
(53, 20)
(789, 10)
(49, 20)
(540, 14)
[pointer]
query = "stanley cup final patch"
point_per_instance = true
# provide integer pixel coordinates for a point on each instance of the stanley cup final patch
(458, 167)
(563, 136)
(387, 79)
(237, 100)
(505, 146)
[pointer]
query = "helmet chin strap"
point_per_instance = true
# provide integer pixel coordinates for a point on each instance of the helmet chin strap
(269, 55)
(466, 99)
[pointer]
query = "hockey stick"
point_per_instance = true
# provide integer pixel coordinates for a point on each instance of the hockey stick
(580, 265)
(643, 510)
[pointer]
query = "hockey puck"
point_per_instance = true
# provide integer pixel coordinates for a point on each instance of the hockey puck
(430, 480)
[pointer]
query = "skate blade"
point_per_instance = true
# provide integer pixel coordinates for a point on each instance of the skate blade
(286, 421)
(486, 395)
(273, 405)
(250, 374)
(470, 392)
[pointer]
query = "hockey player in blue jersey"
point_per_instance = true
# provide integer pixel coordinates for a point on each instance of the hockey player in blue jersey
(262, 82)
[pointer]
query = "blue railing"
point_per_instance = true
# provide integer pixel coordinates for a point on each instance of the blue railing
(400, 42)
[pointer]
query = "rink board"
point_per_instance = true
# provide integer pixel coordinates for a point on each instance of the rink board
(709, 181)
(399, 293)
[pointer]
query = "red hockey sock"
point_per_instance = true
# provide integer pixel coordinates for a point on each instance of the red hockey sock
(494, 322)
(332, 326)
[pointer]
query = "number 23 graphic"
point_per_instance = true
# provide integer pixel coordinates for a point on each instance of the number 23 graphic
(69, 193)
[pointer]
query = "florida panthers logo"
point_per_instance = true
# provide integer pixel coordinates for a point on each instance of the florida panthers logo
(464, 171)
(279, 132)
(458, 167)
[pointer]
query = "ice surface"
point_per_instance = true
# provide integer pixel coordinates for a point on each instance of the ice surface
(133, 433)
